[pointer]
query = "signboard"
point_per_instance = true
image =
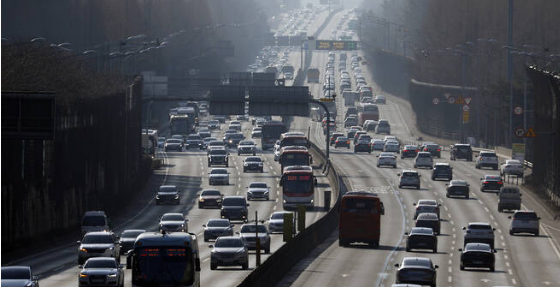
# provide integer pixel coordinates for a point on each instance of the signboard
(336, 45)
(451, 100)
(435, 101)
(466, 108)
(518, 110)
(466, 117)
(468, 100)
(227, 100)
(519, 132)
(279, 101)
(518, 151)
(530, 133)
(28, 115)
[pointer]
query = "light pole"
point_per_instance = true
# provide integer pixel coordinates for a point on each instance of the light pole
(510, 70)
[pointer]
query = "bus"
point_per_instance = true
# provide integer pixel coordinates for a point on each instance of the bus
(298, 186)
(164, 259)
(271, 132)
(294, 155)
(360, 218)
(294, 139)
(181, 125)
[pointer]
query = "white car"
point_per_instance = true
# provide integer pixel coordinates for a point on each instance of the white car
(524, 221)
(276, 221)
(377, 144)
(246, 147)
(387, 159)
(258, 190)
(277, 150)
(235, 125)
(392, 146)
(256, 133)
(423, 159)
(487, 159)
(218, 176)
(512, 167)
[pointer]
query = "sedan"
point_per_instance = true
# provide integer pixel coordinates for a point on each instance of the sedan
(173, 222)
(491, 182)
(216, 228)
(457, 188)
(229, 251)
(19, 276)
(512, 167)
(127, 239)
(167, 194)
(409, 151)
(334, 136)
(429, 220)
(101, 270)
(362, 146)
(276, 221)
(421, 238)
(210, 197)
(249, 233)
(377, 144)
(387, 159)
(253, 163)
(416, 270)
(214, 125)
(218, 176)
(245, 147)
(258, 190)
(342, 142)
(479, 255)
(256, 133)
(173, 144)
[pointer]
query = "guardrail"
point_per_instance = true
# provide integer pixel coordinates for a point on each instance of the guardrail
(275, 267)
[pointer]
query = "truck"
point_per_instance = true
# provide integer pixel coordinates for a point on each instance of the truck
(350, 97)
(313, 75)
(368, 112)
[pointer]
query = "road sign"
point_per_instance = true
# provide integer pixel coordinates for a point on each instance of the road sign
(466, 116)
(451, 100)
(530, 133)
(519, 132)
(468, 100)
(466, 108)
(435, 101)
(335, 45)
(460, 101)
(326, 100)
(518, 152)
(447, 95)
(518, 110)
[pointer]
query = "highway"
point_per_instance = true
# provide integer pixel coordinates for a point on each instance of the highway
(520, 260)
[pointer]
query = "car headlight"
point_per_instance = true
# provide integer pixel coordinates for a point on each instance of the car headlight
(84, 250)
(112, 275)
(260, 163)
(177, 196)
(112, 248)
(266, 192)
(264, 239)
(245, 164)
(83, 275)
(157, 196)
(201, 199)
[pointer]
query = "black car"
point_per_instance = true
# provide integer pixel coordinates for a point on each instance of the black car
(479, 255)
(462, 151)
(491, 182)
(433, 149)
(233, 139)
(416, 270)
(421, 238)
(216, 228)
(442, 170)
(429, 220)
(334, 136)
(457, 188)
(218, 156)
(409, 151)
(234, 208)
(342, 142)
(204, 133)
(210, 197)
(254, 163)
(194, 141)
(19, 276)
(127, 239)
(362, 146)
(167, 194)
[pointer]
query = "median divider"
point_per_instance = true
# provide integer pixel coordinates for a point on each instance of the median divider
(286, 257)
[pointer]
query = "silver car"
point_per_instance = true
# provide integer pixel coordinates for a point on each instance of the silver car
(245, 147)
(524, 221)
(229, 251)
(387, 159)
(276, 221)
(249, 233)
(98, 244)
(511, 167)
(409, 178)
(258, 190)
(19, 276)
(173, 222)
(392, 146)
(424, 159)
(104, 271)
(218, 176)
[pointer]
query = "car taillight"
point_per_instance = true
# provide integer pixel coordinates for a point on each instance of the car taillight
(499, 182)
(417, 150)
(405, 150)
(438, 149)
(425, 149)
(347, 142)
(486, 182)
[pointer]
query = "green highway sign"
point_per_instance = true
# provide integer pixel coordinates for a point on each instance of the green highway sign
(336, 45)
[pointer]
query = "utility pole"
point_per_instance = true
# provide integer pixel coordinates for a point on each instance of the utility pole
(510, 70)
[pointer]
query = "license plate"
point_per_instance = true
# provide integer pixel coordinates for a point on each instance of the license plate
(421, 244)
(97, 280)
(477, 262)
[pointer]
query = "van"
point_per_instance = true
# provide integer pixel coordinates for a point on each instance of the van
(509, 198)
(95, 221)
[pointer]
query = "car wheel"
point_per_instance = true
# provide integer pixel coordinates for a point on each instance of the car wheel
(254, 153)
(477, 167)
(407, 249)
(400, 186)
(467, 197)
(245, 265)
(434, 250)
(205, 239)
(238, 153)
(418, 187)
(537, 233)
(227, 164)
(492, 269)
(500, 209)
(200, 205)
(267, 250)
(447, 195)
(395, 166)
(244, 170)
(213, 266)
(462, 267)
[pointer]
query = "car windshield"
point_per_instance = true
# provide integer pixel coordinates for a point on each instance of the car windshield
(168, 189)
(359, 205)
(218, 152)
(236, 136)
(131, 233)
(492, 178)
(229, 242)
(234, 201)
(424, 262)
(213, 122)
(193, 137)
(489, 155)
(464, 149)
(410, 147)
(216, 143)
(172, 217)
(425, 155)
(410, 174)
(211, 193)
(218, 171)
(421, 231)
(98, 239)
(480, 227)
(15, 273)
(94, 220)
(246, 143)
(427, 202)
(218, 223)
(175, 141)
(253, 159)
(525, 216)
(105, 263)
(253, 228)
(279, 215)
(477, 247)
(258, 185)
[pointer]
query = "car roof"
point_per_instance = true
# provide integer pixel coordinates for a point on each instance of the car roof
(253, 157)
(427, 202)
(482, 152)
(442, 164)
(479, 224)
(458, 182)
(102, 259)
(427, 215)
(94, 212)
(420, 230)
(408, 170)
(218, 168)
(173, 213)
(234, 196)
(27, 268)
(258, 182)
(422, 261)
(99, 233)
(492, 176)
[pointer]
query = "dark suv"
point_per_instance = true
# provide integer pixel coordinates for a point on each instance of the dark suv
(442, 170)
(234, 208)
(218, 156)
(462, 151)
(232, 140)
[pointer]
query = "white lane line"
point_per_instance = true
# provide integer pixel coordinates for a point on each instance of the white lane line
(487, 210)
(513, 281)
(510, 272)
(206, 259)
(446, 209)
(507, 264)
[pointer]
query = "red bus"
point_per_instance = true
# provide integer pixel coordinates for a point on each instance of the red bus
(298, 186)
(294, 139)
(271, 132)
(360, 218)
(294, 155)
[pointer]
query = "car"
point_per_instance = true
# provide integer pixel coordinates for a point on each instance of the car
(334, 136)
(423, 159)
(429, 220)
(242, 118)
(167, 194)
(487, 159)
(426, 205)
(127, 239)
(206, 142)
(342, 142)
(524, 221)
(409, 151)
(194, 140)
(491, 182)
(233, 139)
(357, 136)
(387, 159)
(235, 125)
(173, 222)
(391, 146)
(215, 144)
(377, 144)
(389, 138)
(479, 255)
(250, 232)
(383, 127)
(218, 156)
(277, 149)
(432, 148)
(19, 276)
(253, 163)
(210, 197)
(421, 238)
(173, 144)
(350, 121)
(380, 99)
(98, 244)
(442, 170)
(256, 133)
(229, 251)
(289, 75)
(234, 208)
(218, 176)
(204, 133)
(161, 142)
(258, 190)
(511, 167)
(245, 147)
(215, 228)
(259, 122)
(509, 198)
(370, 125)
(102, 270)
(362, 146)
(409, 178)
(457, 187)
(461, 151)
(481, 232)
(351, 132)
(214, 125)
(276, 221)
(416, 270)
(95, 220)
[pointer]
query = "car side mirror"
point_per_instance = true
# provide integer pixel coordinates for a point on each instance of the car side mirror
(122, 266)
(494, 251)
(231, 225)
(210, 246)
(247, 204)
(460, 249)
(520, 194)
(237, 232)
(419, 175)
(464, 228)
(439, 204)
(406, 233)
(538, 218)
(414, 203)
(78, 242)
(79, 266)
(436, 267)
(509, 217)
(399, 174)
(396, 264)
(203, 225)
(494, 229)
